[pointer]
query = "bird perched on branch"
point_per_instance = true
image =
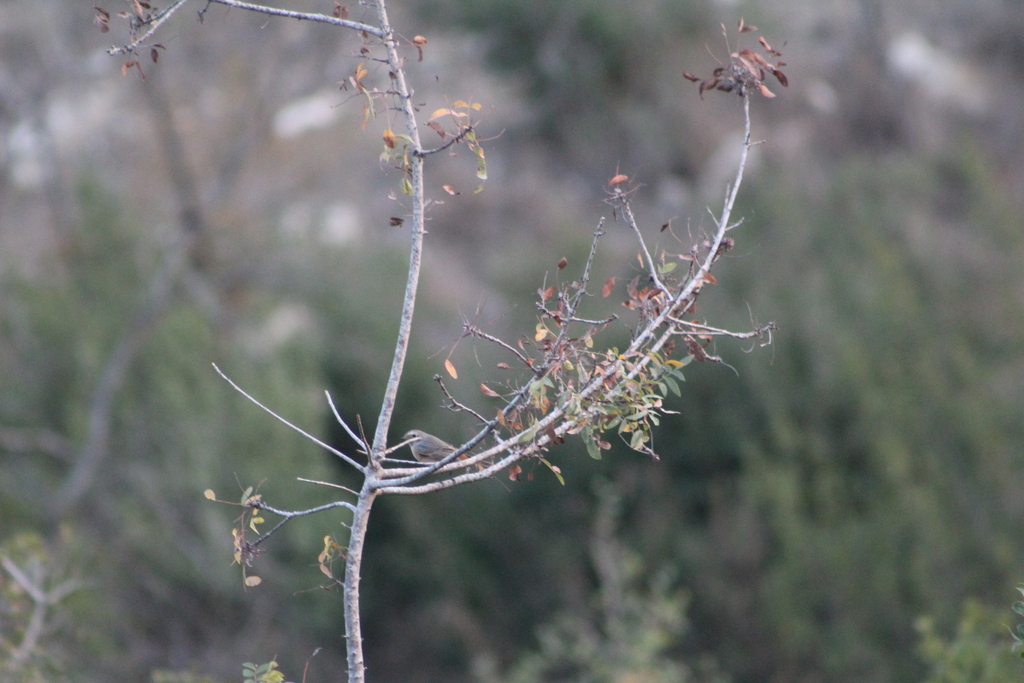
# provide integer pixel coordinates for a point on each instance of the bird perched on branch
(429, 448)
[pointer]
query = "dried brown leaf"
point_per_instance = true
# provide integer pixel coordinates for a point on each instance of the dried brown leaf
(488, 391)
(437, 128)
(767, 47)
(562, 263)
(750, 54)
(694, 348)
(451, 369)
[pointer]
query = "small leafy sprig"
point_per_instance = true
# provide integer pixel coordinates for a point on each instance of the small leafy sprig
(746, 71)
(1018, 632)
(262, 673)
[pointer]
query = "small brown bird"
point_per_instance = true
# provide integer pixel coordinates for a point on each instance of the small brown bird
(429, 448)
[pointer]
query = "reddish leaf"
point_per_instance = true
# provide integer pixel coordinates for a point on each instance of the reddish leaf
(451, 369)
(766, 46)
(127, 66)
(437, 128)
(707, 84)
(488, 391)
(618, 180)
(690, 77)
(562, 263)
(504, 366)
(397, 222)
(450, 190)
(102, 18)
(750, 54)
(782, 77)
(553, 437)
(710, 279)
(514, 472)
(765, 91)
(546, 294)
(746, 29)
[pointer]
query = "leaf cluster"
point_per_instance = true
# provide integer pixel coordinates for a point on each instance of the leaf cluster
(746, 70)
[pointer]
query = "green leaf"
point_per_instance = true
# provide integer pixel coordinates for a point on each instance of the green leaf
(592, 450)
(554, 471)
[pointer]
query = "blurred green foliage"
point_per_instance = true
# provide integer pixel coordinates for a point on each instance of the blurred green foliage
(35, 585)
(977, 652)
(593, 69)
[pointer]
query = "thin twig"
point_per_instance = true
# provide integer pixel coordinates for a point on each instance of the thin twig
(348, 430)
(627, 213)
(155, 23)
(454, 141)
(327, 483)
(455, 405)
(288, 516)
(306, 434)
(477, 332)
(304, 16)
